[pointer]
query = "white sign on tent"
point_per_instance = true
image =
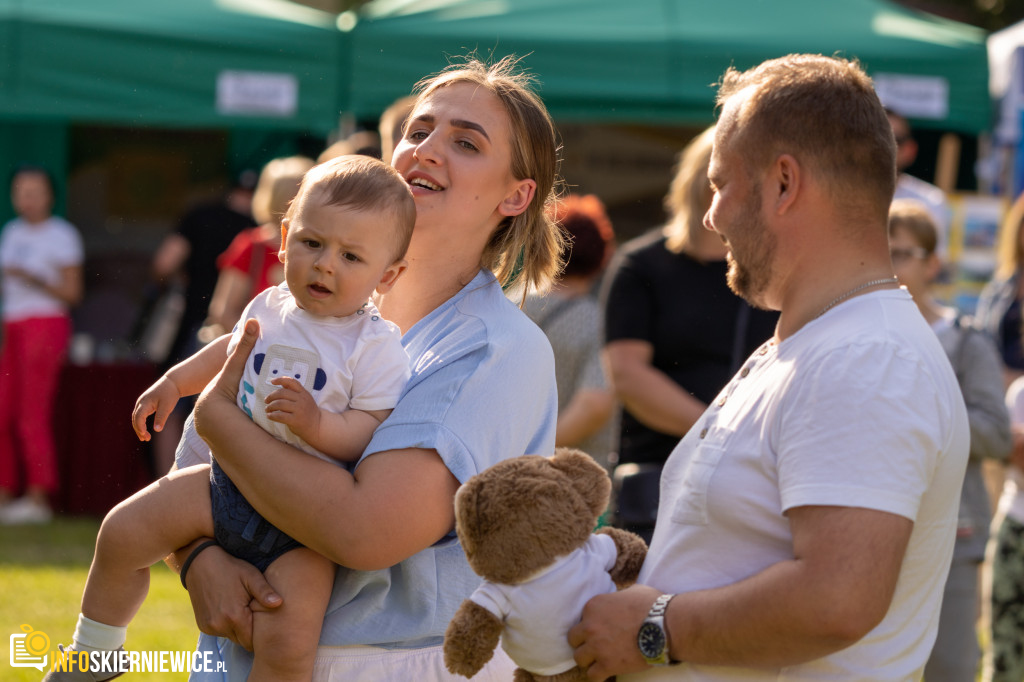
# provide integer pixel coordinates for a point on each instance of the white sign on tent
(913, 96)
(256, 93)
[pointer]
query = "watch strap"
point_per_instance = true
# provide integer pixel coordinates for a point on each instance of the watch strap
(656, 619)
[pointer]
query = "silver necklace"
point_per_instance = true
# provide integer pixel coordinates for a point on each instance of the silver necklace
(851, 292)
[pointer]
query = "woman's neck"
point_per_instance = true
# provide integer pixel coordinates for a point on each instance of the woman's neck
(422, 288)
(36, 220)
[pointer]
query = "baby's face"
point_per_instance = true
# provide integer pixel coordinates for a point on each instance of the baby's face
(335, 257)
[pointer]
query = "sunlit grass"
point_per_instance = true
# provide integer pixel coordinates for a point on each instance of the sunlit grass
(42, 573)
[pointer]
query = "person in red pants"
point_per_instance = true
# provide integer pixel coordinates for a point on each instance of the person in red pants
(40, 279)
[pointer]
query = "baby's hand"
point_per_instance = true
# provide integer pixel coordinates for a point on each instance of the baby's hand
(159, 399)
(292, 405)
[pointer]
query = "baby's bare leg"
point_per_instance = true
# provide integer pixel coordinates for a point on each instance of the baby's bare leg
(139, 532)
(284, 640)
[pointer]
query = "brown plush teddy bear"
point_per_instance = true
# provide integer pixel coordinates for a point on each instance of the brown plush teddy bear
(526, 527)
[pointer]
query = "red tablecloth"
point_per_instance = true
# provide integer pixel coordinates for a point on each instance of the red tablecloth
(99, 459)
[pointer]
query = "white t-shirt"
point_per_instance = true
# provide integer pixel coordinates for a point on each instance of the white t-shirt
(43, 249)
(860, 408)
(353, 362)
(539, 612)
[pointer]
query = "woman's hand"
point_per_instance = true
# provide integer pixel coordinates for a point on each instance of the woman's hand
(224, 388)
(24, 275)
(225, 592)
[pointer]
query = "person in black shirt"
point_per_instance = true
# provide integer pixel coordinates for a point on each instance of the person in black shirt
(674, 334)
(190, 254)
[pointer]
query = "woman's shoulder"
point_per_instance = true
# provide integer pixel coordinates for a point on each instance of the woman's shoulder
(60, 234)
(482, 320)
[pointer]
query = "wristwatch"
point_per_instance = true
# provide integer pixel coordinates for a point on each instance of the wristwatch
(653, 637)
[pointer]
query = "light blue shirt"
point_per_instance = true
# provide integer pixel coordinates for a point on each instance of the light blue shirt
(482, 390)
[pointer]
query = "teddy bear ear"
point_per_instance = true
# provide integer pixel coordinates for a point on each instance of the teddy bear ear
(588, 477)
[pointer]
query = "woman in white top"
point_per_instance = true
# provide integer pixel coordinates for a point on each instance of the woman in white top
(41, 263)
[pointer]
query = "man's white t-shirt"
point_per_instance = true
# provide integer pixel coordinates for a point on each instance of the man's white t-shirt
(860, 408)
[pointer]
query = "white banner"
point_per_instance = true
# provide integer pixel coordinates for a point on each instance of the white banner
(256, 93)
(913, 96)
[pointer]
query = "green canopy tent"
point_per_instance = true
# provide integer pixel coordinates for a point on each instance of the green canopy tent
(654, 62)
(191, 63)
(246, 66)
(141, 109)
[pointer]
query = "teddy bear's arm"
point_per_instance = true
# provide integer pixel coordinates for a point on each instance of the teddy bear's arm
(470, 639)
(632, 550)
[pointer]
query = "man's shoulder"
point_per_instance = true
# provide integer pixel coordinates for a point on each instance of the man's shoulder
(884, 324)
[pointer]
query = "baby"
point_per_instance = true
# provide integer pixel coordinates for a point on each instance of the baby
(325, 372)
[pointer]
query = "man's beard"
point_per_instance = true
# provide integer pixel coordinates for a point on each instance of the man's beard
(750, 278)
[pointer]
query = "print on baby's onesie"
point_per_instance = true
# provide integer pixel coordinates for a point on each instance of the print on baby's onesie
(280, 361)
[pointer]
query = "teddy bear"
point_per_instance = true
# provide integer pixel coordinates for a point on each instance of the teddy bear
(526, 525)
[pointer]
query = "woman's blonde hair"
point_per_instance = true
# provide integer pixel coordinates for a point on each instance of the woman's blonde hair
(1009, 252)
(689, 195)
(277, 186)
(524, 249)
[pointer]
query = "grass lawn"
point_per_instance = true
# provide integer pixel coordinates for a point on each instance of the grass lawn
(42, 573)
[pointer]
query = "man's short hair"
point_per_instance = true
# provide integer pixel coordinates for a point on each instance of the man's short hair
(824, 112)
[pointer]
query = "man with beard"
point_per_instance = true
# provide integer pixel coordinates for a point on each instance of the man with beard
(807, 521)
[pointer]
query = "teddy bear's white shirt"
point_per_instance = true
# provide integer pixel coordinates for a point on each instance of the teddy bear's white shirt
(539, 612)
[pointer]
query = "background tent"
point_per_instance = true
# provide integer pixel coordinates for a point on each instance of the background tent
(143, 109)
(184, 63)
(248, 66)
(654, 62)
(629, 83)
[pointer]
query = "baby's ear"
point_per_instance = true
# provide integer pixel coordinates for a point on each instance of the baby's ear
(391, 275)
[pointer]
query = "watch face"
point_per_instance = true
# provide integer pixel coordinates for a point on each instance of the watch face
(651, 640)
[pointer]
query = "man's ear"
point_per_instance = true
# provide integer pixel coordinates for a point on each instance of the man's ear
(284, 239)
(785, 178)
(393, 272)
(518, 198)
